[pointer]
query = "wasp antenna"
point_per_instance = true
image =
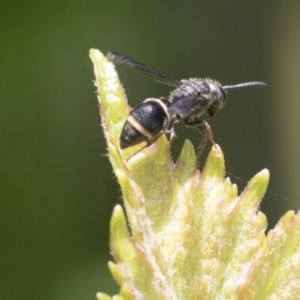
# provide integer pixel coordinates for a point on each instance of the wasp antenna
(241, 85)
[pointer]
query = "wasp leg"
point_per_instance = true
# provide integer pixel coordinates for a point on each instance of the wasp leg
(172, 136)
(169, 128)
(150, 142)
(204, 128)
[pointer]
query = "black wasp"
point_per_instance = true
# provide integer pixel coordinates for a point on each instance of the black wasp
(190, 100)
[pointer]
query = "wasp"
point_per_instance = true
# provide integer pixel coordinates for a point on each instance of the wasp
(188, 102)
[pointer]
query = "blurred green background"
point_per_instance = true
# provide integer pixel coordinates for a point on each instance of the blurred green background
(57, 187)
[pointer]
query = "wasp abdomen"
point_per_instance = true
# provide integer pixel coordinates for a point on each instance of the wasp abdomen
(144, 122)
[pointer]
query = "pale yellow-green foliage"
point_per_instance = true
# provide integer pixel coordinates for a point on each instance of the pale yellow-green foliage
(188, 235)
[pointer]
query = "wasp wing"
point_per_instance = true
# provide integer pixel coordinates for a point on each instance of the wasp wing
(141, 68)
(193, 106)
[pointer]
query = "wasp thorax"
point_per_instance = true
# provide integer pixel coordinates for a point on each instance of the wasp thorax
(196, 96)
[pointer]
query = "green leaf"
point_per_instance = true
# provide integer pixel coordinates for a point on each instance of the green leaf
(190, 235)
